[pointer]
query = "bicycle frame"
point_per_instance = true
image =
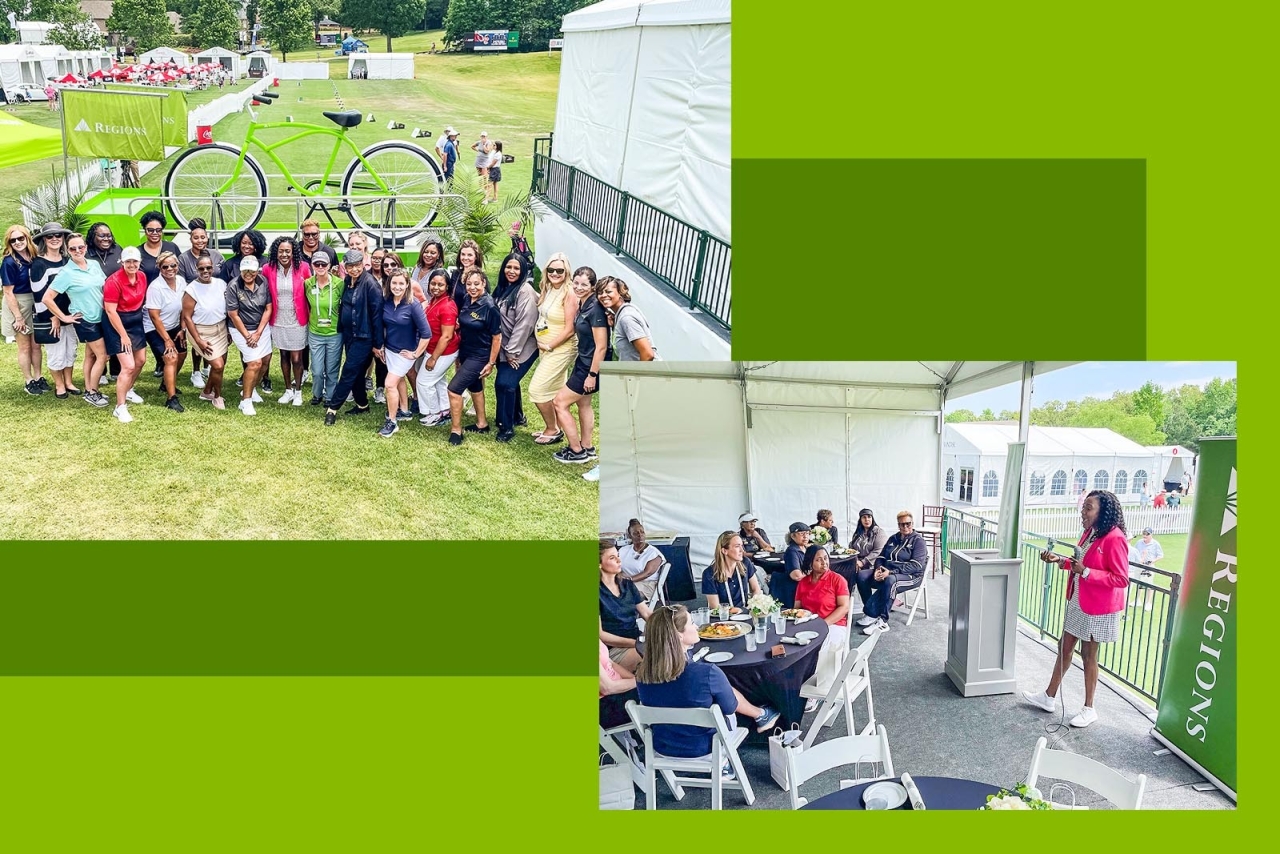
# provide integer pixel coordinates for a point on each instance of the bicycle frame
(306, 130)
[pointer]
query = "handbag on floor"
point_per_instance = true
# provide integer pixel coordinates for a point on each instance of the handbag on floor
(779, 743)
(617, 792)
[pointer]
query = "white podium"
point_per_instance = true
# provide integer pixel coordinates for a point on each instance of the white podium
(984, 620)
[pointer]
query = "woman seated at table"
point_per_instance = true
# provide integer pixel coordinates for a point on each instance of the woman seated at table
(827, 520)
(826, 594)
(641, 561)
(731, 579)
(617, 686)
(782, 582)
(899, 568)
(620, 604)
(867, 543)
(667, 679)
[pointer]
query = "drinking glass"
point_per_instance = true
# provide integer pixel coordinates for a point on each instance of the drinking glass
(751, 641)
(780, 623)
(762, 631)
(724, 611)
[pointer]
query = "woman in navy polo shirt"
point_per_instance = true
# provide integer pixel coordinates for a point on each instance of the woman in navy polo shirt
(731, 578)
(407, 337)
(667, 679)
(620, 604)
(782, 582)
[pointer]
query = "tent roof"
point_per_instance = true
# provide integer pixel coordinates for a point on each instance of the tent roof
(216, 51)
(355, 56)
(615, 14)
(22, 142)
(1167, 451)
(992, 439)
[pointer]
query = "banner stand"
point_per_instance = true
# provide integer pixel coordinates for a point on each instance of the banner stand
(1173, 748)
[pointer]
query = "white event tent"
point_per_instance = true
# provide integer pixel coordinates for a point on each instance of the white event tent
(382, 66)
(693, 445)
(1060, 463)
(259, 64)
(166, 54)
(1174, 460)
(232, 62)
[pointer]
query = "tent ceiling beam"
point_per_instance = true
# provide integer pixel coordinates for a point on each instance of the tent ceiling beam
(838, 410)
(617, 370)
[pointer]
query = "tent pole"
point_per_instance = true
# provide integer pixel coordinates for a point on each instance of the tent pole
(940, 496)
(746, 437)
(1024, 412)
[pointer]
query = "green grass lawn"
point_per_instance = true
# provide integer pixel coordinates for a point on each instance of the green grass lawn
(74, 472)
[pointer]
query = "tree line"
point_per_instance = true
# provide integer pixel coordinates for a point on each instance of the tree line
(1149, 416)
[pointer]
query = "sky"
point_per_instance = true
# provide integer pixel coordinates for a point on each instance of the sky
(1095, 379)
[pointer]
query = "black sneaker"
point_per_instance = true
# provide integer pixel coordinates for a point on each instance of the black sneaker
(44, 384)
(33, 387)
(455, 438)
(358, 410)
(403, 415)
(413, 406)
(521, 421)
(95, 398)
(389, 429)
(471, 428)
(174, 404)
(330, 418)
(158, 372)
(590, 452)
(315, 401)
(240, 382)
(568, 455)
(505, 435)
(266, 387)
(368, 384)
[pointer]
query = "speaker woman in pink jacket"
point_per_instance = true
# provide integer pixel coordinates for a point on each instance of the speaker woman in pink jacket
(1095, 598)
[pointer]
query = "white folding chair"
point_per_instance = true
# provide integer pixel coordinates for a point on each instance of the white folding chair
(852, 680)
(724, 744)
(846, 750)
(1124, 793)
(658, 594)
(922, 593)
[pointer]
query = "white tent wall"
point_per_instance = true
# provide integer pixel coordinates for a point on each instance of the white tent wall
(383, 66)
(302, 70)
(677, 148)
(597, 81)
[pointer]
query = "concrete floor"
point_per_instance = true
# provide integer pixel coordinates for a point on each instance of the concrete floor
(934, 731)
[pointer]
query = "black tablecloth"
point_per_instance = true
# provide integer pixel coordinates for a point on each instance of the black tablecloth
(770, 681)
(939, 793)
(681, 586)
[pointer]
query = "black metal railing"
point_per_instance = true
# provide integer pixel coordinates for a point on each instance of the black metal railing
(690, 260)
(1138, 658)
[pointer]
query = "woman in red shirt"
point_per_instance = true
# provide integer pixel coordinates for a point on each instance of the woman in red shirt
(826, 594)
(442, 317)
(122, 297)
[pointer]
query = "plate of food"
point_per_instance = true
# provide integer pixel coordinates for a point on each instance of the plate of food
(795, 613)
(721, 631)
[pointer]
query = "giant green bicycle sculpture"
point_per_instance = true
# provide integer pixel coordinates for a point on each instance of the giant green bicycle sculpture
(388, 185)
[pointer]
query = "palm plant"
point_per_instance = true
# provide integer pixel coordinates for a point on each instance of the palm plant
(465, 212)
(52, 203)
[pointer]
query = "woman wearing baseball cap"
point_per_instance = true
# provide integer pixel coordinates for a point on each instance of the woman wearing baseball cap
(122, 297)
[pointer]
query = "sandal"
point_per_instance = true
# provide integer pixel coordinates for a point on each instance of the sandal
(549, 439)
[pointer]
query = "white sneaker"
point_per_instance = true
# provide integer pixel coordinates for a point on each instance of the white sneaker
(306, 377)
(379, 396)
(811, 705)
(592, 475)
(286, 397)
(132, 396)
(430, 420)
(1086, 717)
(866, 621)
(198, 379)
(255, 397)
(1040, 700)
(102, 381)
(122, 412)
(881, 626)
(297, 397)
(246, 406)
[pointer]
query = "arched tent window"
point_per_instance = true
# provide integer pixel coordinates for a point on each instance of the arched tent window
(1139, 480)
(1082, 480)
(1037, 484)
(1122, 481)
(951, 481)
(1058, 486)
(1101, 480)
(990, 484)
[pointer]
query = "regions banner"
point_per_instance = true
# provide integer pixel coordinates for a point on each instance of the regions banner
(113, 124)
(1196, 718)
(174, 111)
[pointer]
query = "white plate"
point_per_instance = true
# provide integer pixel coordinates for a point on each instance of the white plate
(741, 618)
(807, 635)
(718, 657)
(893, 794)
(742, 630)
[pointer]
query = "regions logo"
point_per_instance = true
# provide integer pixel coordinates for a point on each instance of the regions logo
(82, 126)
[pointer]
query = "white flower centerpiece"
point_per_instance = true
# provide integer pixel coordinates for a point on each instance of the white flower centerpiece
(762, 605)
(1023, 797)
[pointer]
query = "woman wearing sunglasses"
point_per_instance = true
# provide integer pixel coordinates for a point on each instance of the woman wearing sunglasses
(19, 304)
(81, 280)
(59, 342)
(324, 302)
(153, 225)
(899, 568)
(162, 324)
(187, 262)
(122, 297)
(204, 316)
(104, 249)
(557, 310)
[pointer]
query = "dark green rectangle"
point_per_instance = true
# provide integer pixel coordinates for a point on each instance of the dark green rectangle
(992, 259)
(295, 609)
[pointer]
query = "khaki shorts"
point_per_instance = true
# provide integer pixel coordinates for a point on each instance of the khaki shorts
(215, 335)
(27, 305)
(617, 654)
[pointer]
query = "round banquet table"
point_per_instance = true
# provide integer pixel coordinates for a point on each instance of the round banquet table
(938, 793)
(769, 681)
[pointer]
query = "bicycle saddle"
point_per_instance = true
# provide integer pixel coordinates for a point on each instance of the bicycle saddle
(345, 119)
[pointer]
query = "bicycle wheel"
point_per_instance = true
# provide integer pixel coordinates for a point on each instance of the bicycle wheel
(407, 170)
(194, 179)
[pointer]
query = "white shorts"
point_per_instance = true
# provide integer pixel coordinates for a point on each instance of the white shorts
(63, 354)
(248, 353)
(397, 364)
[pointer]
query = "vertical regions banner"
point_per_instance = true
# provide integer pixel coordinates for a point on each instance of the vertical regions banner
(1197, 714)
(112, 124)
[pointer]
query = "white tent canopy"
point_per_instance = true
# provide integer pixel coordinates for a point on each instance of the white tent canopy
(1060, 463)
(233, 62)
(382, 66)
(166, 54)
(693, 445)
(259, 61)
(1174, 461)
(29, 65)
(644, 103)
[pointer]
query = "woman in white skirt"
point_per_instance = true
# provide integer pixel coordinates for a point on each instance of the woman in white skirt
(249, 319)
(404, 322)
(286, 274)
(1095, 598)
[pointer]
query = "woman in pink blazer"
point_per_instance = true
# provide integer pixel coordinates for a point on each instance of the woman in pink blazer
(1095, 597)
(286, 274)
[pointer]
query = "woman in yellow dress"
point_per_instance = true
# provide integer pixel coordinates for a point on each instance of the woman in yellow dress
(557, 308)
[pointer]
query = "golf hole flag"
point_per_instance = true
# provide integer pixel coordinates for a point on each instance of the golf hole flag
(1196, 718)
(116, 125)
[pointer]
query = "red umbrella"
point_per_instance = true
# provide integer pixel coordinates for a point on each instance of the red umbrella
(97, 74)
(69, 78)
